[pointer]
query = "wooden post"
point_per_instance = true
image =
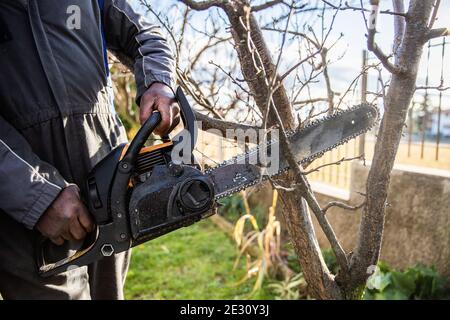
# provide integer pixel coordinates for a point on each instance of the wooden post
(362, 138)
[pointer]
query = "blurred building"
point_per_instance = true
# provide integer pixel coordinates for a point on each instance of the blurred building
(433, 123)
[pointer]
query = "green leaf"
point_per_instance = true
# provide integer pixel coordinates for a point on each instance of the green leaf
(391, 294)
(383, 267)
(418, 282)
(404, 282)
(379, 281)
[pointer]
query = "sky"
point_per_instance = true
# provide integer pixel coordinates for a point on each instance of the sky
(354, 39)
(349, 49)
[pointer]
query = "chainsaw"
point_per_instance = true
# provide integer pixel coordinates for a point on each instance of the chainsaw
(139, 193)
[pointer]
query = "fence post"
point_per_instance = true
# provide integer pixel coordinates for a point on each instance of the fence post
(362, 138)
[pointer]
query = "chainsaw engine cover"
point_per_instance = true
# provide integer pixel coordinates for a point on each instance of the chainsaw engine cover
(190, 195)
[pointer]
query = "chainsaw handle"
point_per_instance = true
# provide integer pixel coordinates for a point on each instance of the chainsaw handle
(187, 116)
(141, 137)
(47, 269)
(101, 244)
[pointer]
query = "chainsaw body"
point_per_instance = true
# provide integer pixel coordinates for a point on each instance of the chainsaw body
(138, 193)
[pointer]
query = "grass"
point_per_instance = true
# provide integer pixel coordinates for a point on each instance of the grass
(191, 263)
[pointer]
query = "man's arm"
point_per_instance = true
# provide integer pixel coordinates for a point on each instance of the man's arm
(135, 39)
(34, 193)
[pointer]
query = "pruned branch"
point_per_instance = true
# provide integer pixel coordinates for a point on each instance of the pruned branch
(221, 125)
(437, 33)
(373, 47)
(309, 101)
(399, 27)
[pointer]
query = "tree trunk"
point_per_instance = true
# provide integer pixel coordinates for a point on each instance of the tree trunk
(257, 65)
(397, 102)
(321, 284)
(296, 214)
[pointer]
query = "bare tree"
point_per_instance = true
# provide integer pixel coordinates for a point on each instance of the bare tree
(260, 89)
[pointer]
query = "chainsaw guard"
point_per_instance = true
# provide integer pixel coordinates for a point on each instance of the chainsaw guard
(190, 195)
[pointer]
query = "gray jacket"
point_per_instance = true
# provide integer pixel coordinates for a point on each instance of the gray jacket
(56, 114)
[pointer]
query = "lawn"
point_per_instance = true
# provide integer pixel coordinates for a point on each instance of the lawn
(191, 263)
(197, 263)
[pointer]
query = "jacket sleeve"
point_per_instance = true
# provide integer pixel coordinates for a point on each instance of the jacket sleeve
(27, 185)
(132, 37)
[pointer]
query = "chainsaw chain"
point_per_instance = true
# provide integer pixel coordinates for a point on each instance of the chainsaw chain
(289, 134)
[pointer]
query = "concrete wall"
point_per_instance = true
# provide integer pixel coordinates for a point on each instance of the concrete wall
(417, 228)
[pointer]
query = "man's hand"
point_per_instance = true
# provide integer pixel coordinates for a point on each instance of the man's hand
(160, 97)
(66, 219)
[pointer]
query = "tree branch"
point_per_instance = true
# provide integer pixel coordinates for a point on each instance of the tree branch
(203, 5)
(267, 5)
(399, 27)
(309, 101)
(304, 190)
(342, 206)
(439, 88)
(434, 14)
(349, 7)
(396, 103)
(436, 33)
(336, 163)
(221, 125)
(384, 59)
(373, 47)
(272, 3)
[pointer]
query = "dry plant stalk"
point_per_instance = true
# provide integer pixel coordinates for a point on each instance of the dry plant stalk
(267, 240)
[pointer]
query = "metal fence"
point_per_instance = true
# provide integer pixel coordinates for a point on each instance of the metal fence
(426, 137)
(336, 175)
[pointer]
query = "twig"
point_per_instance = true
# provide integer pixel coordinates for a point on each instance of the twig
(439, 88)
(373, 47)
(342, 205)
(203, 5)
(434, 14)
(309, 101)
(336, 163)
(272, 3)
(349, 7)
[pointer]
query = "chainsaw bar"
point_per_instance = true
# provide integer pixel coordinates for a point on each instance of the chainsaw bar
(306, 144)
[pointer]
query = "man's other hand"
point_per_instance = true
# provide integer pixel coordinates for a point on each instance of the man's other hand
(160, 97)
(66, 219)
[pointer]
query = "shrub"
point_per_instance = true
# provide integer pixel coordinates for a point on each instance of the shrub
(415, 283)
